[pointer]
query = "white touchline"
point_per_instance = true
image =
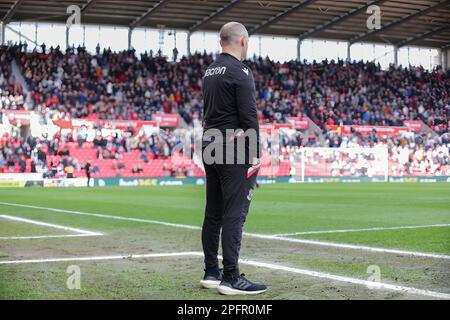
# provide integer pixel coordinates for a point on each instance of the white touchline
(100, 258)
(369, 284)
(251, 235)
(51, 225)
(360, 230)
(350, 246)
(107, 216)
(52, 237)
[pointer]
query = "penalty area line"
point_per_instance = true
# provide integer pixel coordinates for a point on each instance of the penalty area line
(102, 258)
(80, 232)
(51, 237)
(369, 284)
(104, 216)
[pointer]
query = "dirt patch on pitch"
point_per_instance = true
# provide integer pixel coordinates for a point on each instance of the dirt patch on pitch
(424, 273)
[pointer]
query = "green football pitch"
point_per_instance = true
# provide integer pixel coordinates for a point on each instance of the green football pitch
(306, 241)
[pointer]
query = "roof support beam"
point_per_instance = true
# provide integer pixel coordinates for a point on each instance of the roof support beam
(280, 16)
(130, 38)
(188, 44)
(442, 3)
(213, 16)
(87, 5)
(349, 52)
(339, 19)
(67, 37)
(10, 14)
(423, 35)
(444, 56)
(139, 21)
(396, 56)
(83, 9)
(2, 33)
(22, 35)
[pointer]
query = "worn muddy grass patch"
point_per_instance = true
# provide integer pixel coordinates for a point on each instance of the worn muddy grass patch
(276, 209)
(163, 278)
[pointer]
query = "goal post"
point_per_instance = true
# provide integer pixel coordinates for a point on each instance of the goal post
(309, 164)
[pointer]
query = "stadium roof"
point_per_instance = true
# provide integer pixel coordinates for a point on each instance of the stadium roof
(404, 22)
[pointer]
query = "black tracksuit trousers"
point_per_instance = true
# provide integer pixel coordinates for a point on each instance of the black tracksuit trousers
(228, 197)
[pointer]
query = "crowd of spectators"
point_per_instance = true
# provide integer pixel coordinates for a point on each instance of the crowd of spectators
(358, 93)
(122, 86)
(108, 85)
(409, 154)
(111, 86)
(53, 156)
(11, 93)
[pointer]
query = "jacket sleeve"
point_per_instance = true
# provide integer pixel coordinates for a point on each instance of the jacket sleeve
(246, 105)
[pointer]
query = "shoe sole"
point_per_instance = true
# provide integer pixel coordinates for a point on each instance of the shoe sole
(227, 291)
(209, 284)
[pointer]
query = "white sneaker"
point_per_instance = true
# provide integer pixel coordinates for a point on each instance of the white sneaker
(211, 282)
(240, 286)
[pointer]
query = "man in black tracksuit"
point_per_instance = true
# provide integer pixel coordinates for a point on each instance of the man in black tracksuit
(230, 117)
(87, 168)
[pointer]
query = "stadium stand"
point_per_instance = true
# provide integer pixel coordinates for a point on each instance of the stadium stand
(11, 93)
(121, 86)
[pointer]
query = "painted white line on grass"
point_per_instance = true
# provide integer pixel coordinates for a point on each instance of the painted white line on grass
(360, 230)
(51, 225)
(100, 258)
(350, 246)
(252, 235)
(369, 284)
(175, 225)
(51, 237)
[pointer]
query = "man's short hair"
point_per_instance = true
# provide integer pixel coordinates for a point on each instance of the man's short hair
(232, 32)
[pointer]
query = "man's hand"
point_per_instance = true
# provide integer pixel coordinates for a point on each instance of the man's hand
(256, 165)
(256, 162)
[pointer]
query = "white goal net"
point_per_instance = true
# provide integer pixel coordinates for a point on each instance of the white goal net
(363, 163)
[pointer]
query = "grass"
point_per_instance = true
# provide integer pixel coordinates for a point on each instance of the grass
(436, 240)
(14, 228)
(276, 209)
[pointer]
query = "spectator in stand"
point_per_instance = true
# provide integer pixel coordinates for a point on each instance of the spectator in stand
(87, 169)
(2, 164)
(118, 86)
(122, 86)
(11, 93)
(69, 171)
